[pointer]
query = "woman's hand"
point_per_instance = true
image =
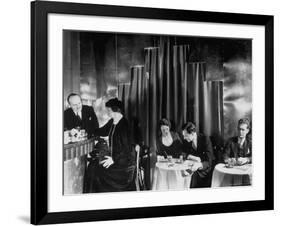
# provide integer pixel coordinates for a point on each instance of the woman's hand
(197, 166)
(107, 162)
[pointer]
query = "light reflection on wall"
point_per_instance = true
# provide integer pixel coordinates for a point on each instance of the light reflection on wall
(99, 104)
(237, 93)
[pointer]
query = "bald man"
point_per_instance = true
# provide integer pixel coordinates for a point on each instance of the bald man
(79, 115)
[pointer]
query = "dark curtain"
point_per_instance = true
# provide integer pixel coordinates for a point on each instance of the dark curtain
(138, 109)
(136, 102)
(179, 104)
(169, 86)
(173, 89)
(152, 72)
(198, 100)
(166, 69)
(205, 100)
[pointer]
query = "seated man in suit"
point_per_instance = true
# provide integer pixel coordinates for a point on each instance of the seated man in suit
(240, 147)
(198, 148)
(79, 115)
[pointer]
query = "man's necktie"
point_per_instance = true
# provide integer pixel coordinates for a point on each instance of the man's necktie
(78, 117)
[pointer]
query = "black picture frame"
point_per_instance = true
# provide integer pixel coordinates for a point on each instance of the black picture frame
(39, 112)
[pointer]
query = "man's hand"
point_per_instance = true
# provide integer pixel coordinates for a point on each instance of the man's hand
(197, 166)
(194, 158)
(107, 162)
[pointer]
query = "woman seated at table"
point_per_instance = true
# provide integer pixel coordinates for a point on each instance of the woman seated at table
(115, 170)
(168, 142)
(240, 147)
(199, 149)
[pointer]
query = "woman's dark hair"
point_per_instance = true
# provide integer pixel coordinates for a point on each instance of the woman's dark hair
(189, 127)
(164, 122)
(115, 105)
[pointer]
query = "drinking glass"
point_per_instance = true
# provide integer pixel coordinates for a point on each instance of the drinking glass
(170, 158)
(181, 158)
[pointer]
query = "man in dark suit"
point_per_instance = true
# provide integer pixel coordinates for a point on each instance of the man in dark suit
(79, 115)
(240, 147)
(198, 148)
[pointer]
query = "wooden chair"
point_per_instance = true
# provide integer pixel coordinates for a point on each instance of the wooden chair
(141, 153)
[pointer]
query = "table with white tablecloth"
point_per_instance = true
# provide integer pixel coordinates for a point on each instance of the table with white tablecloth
(224, 176)
(171, 175)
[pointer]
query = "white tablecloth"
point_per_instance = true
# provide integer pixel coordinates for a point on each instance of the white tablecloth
(236, 176)
(169, 176)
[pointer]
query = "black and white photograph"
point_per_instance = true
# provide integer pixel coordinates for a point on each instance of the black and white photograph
(150, 112)
(140, 112)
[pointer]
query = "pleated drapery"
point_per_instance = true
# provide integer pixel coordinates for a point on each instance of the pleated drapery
(172, 75)
(169, 86)
(198, 90)
(123, 94)
(151, 70)
(204, 101)
(179, 94)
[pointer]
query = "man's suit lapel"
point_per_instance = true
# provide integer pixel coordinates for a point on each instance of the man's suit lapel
(198, 143)
(76, 116)
(72, 113)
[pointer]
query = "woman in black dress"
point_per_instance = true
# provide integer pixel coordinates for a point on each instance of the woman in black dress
(168, 142)
(115, 171)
